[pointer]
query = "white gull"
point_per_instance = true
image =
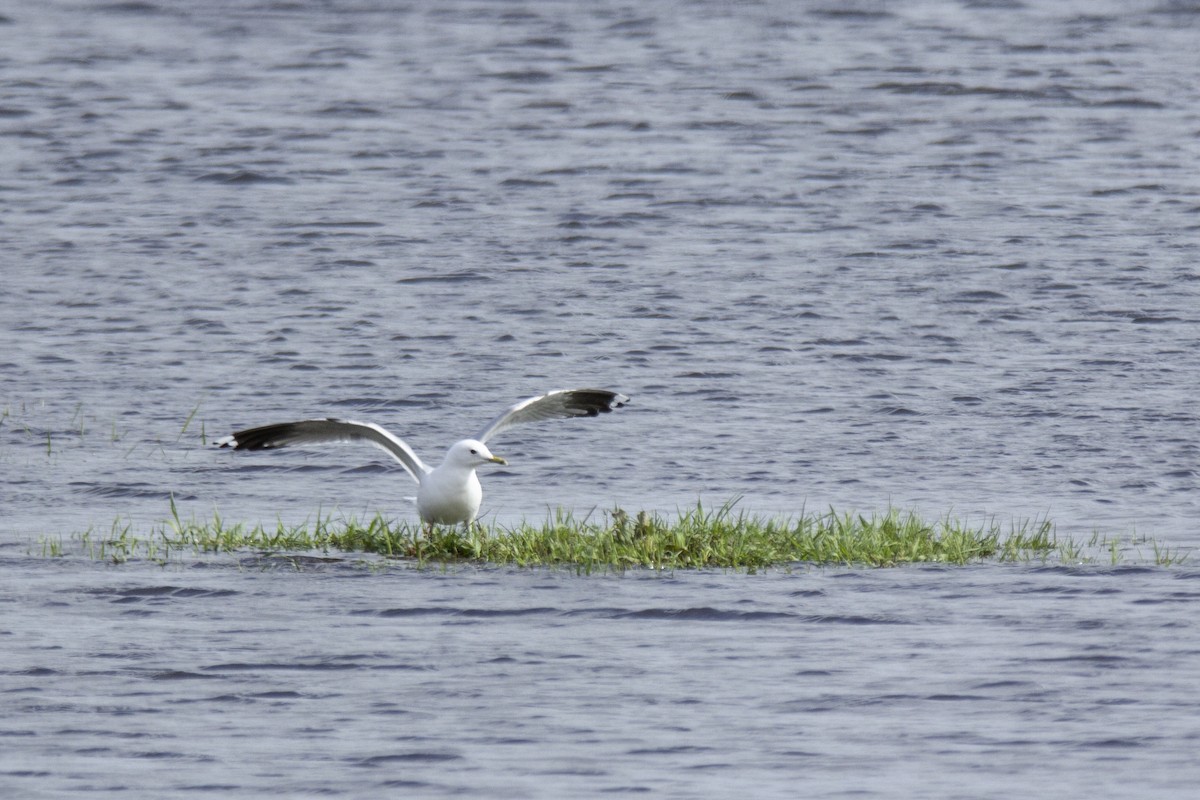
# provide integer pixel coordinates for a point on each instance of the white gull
(449, 493)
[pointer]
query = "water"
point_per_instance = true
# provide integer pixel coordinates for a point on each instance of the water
(940, 256)
(255, 679)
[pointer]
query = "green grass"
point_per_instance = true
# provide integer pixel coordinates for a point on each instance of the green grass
(691, 539)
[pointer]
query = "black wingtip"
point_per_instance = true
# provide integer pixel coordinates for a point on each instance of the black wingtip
(265, 437)
(594, 402)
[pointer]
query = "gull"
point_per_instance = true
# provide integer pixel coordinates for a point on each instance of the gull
(449, 493)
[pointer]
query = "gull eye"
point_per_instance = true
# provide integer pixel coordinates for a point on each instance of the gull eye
(474, 452)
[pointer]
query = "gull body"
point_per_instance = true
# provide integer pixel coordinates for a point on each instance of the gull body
(450, 493)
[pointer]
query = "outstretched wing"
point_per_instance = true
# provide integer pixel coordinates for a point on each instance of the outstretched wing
(559, 404)
(324, 431)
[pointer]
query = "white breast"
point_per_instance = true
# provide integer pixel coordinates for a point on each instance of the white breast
(449, 496)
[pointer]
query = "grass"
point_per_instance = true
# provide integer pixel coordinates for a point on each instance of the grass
(694, 538)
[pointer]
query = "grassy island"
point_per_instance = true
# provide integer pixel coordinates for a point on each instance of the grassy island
(617, 540)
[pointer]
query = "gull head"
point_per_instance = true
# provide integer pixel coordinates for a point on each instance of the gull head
(471, 453)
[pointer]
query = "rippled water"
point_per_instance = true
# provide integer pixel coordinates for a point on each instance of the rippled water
(257, 679)
(939, 255)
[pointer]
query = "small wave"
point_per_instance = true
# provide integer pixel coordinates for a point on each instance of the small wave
(242, 177)
(1103, 660)
(979, 296)
(666, 751)
(1151, 319)
(521, 76)
(855, 619)
(1129, 102)
(865, 357)
(898, 411)
(466, 276)
(137, 594)
(449, 611)
(408, 758)
(330, 665)
(525, 183)
(350, 109)
(703, 614)
(130, 8)
(955, 89)
(136, 490)
(1111, 744)
(178, 675)
(35, 672)
(338, 224)
(851, 14)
